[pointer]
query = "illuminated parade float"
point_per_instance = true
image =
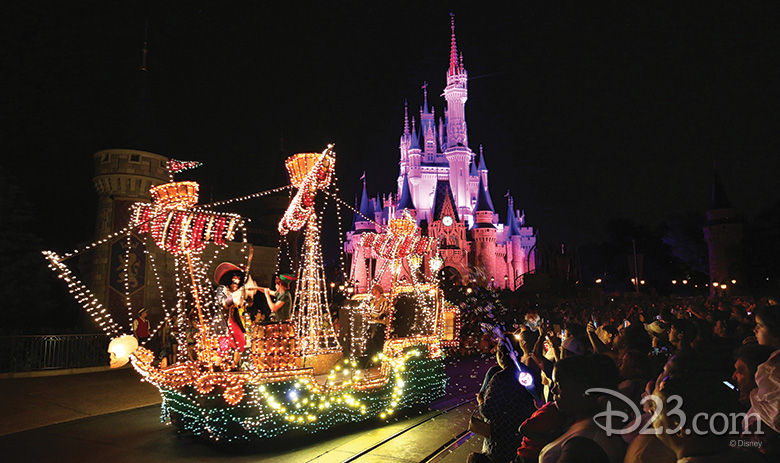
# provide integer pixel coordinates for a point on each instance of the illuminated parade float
(296, 375)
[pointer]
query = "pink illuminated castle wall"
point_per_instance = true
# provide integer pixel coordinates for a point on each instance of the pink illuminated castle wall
(445, 187)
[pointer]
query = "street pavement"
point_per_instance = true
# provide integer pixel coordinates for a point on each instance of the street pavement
(114, 416)
(30, 403)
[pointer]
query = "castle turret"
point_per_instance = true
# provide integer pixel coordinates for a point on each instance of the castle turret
(428, 128)
(484, 232)
(723, 234)
(414, 171)
(456, 94)
(405, 202)
(361, 256)
(458, 159)
(515, 257)
(482, 169)
(406, 141)
(123, 176)
(457, 151)
(363, 222)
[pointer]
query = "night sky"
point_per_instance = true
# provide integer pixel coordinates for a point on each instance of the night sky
(585, 112)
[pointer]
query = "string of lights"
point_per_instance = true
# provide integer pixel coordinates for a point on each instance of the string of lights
(166, 311)
(335, 194)
(175, 166)
(261, 405)
(293, 375)
(309, 172)
(310, 309)
(354, 210)
(83, 295)
(126, 278)
(208, 206)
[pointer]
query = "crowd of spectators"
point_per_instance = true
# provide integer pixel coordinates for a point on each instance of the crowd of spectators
(629, 380)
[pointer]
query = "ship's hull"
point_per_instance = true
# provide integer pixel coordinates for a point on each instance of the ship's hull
(230, 406)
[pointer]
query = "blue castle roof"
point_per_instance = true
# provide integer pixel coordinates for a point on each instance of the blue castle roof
(511, 221)
(484, 203)
(405, 202)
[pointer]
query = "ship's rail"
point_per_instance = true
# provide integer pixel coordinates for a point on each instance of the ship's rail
(52, 352)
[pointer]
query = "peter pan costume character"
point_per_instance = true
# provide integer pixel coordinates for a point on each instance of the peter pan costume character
(280, 301)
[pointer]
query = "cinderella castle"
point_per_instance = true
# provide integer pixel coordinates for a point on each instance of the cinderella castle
(444, 186)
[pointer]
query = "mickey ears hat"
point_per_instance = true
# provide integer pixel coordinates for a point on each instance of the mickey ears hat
(286, 278)
(223, 269)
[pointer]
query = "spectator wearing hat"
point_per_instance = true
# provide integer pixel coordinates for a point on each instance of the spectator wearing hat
(141, 327)
(280, 301)
(572, 346)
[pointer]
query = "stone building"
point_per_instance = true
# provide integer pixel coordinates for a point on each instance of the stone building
(128, 272)
(723, 234)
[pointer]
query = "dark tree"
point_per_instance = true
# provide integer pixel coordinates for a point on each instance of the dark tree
(32, 302)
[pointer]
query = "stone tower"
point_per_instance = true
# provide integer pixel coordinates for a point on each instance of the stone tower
(484, 233)
(123, 176)
(723, 234)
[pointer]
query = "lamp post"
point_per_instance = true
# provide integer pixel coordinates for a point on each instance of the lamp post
(635, 280)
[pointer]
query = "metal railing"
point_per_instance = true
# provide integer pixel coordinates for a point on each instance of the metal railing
(52, 352)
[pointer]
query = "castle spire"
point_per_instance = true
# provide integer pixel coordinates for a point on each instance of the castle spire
(719, 199)
(482, 165)
(366, 206)
(405, 202)
(406, 117)
(484, 202)
(144, 49)
(137, 128)
(511, 222)
(454, 68)
(425, 97)
(415, 139)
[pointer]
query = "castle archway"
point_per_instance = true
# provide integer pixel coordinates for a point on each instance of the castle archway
(451, 276)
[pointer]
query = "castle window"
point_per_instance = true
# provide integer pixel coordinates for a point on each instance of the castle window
(135, 158)
(163, 164)
(106, 157)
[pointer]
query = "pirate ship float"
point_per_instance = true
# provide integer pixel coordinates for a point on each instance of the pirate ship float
(294, 376)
